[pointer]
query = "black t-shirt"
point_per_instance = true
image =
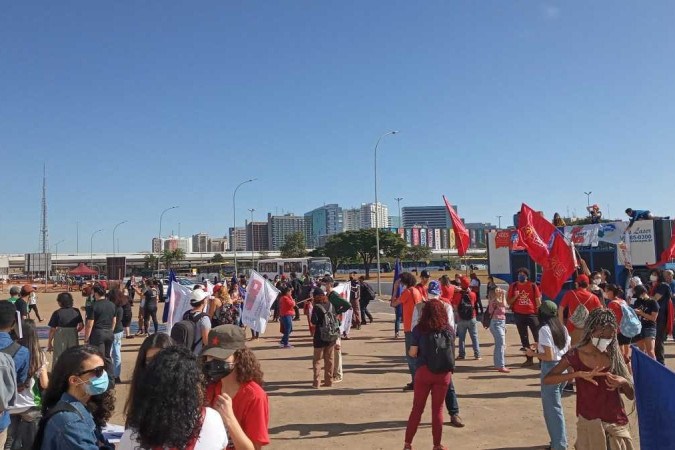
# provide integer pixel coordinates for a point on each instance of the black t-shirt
(65, 318)
(150, 299)
(648, 306)
(664, 290)
(102, 313)
(118, 314)
(22, 307)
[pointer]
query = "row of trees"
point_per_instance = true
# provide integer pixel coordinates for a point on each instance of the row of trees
(168, 258)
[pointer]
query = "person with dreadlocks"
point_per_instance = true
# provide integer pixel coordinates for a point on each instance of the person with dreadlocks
(602, 374)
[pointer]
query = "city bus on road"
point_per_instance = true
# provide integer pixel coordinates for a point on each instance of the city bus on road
(315, 266)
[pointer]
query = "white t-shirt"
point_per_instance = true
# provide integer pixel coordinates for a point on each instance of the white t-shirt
(546, 339)
(211, 437)
(417, 312)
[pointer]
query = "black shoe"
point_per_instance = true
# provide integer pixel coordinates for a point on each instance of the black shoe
(117, 380)
(408, 387)
(523, 349)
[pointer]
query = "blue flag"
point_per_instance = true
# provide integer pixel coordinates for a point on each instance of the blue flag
(397, 273)
(655, 402)
(167, 301)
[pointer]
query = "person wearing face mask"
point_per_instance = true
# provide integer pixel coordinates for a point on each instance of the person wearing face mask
(524, 298)
(602, 376)
(648, 311)
(579, 303)
(234, 387)
(632, 283)
(553, 343)
(660, 291)
(77, 403)
(613, 295)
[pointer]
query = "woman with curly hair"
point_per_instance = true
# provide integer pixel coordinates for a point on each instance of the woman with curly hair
(77, 402)
(602, 375)
(433, 320)
(179, 420)
(234, 389)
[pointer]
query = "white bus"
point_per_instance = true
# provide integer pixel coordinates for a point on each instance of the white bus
(316, 266)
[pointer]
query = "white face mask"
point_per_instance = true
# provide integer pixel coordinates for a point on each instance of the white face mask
(653, 278)
(597, 281)
(601, 344)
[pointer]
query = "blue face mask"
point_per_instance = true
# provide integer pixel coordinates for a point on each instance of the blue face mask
(522, 278)
(97, 386)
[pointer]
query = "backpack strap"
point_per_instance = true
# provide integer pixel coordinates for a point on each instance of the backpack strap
(195, 318)
(12, 349)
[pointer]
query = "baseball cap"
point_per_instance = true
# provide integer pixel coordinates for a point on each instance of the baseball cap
(318, 292)
(464, 282)
(424, 274)
(434, 288)
(224, 340)
(27, 288)
(198, 296)
(583, 278)
(548, 308)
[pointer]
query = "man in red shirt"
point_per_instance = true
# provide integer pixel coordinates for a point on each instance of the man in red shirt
(524, 299)
(410, 296)
(423, 285)
(571, 300)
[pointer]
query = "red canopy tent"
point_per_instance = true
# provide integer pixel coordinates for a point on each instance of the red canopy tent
(83, 271)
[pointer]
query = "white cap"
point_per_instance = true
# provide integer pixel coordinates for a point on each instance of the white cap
(198, 296)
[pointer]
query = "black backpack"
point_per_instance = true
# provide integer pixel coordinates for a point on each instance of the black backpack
(185, 332)
(465, 308)
(441, 357)
(329, 330)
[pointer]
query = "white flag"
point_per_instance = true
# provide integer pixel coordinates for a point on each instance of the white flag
(260, 294)
(179, 304)
(343, 289)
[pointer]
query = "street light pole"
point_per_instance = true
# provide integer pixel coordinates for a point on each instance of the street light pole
(91, 247)
(588, 198)
(252, 240)
(159, 237)
(56, 257)
(115, 229)
(377, 225)
(234, 221)
(400, 217)
(499, 219)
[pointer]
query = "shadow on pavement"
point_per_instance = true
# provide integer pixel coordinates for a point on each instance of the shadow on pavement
(328, 430)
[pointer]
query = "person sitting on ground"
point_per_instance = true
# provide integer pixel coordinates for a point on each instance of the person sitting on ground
(235, 387)
(180, 419)
(602, 375)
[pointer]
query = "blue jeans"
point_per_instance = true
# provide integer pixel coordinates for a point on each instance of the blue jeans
(498, 330)
(553, 410)
(399, 318)
(451, 400)
(116, 353)
(287, 322)
(462, 327)
(412, 362)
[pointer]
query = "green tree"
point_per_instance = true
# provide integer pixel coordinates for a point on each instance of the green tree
(217, 258)
(294, 247)
(170, 257)
(364, 245)
(150, 262)
(417, 253)
(338, 249)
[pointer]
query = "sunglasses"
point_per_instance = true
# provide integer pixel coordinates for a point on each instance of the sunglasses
(97, 371)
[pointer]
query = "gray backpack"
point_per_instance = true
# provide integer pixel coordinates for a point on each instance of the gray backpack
(580, 315)
(8, 386)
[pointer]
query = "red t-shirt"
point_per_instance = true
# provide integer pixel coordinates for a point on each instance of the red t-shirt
(615, 307)
(423, 290)
(251, 408)
(457, 299)
(572, 299)
(596, 402)
(447, 293)
(286, 306)
(409, 298)
(527, 293)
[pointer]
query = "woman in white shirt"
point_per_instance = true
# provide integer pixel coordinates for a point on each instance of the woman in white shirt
(167, 408)
(554, 342)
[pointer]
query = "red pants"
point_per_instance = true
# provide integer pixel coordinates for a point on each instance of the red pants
(426, 382)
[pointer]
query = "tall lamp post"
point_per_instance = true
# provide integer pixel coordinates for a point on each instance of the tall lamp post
(251, 210)
(400, 217)
(234, 221)
(588, 198)
(161, 216)
(115, 229)
(499, 220)
(377, 225)
(56, 257)
(91, 247)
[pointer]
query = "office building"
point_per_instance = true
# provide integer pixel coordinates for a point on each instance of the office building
(395, 221)
(176, 242)
(429, 216)
(157, 245)
(322, 222)
(281, 226)
(478, 234)
(219, 245)
(201, 243)
(351, 219)
(374, 214)
(257, 236)
(237, 238)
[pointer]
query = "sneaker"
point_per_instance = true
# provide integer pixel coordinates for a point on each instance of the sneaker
(324, 384)
(460, 357)
(456, 421)
(315, 386)
(346, 338)
(440, 447)
(337, 380)
(528, 363)
(281, 345)
(131, 336)
(504, 370)
(523, 349)
(288, 346)
(477, 358)
(409, 387)
(118, 380)
(395, 335)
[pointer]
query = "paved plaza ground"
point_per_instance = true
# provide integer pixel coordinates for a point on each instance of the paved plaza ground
(369, 410)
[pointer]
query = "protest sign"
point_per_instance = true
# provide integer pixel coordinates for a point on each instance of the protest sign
(260, 294)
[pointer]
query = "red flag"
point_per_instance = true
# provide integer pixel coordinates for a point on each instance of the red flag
(666, 255)
(559, 266)
(461, 233)
(535, 233)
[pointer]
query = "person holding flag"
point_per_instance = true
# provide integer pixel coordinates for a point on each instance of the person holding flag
(524, 299)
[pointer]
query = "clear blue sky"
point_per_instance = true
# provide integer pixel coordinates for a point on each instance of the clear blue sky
(137, 106)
